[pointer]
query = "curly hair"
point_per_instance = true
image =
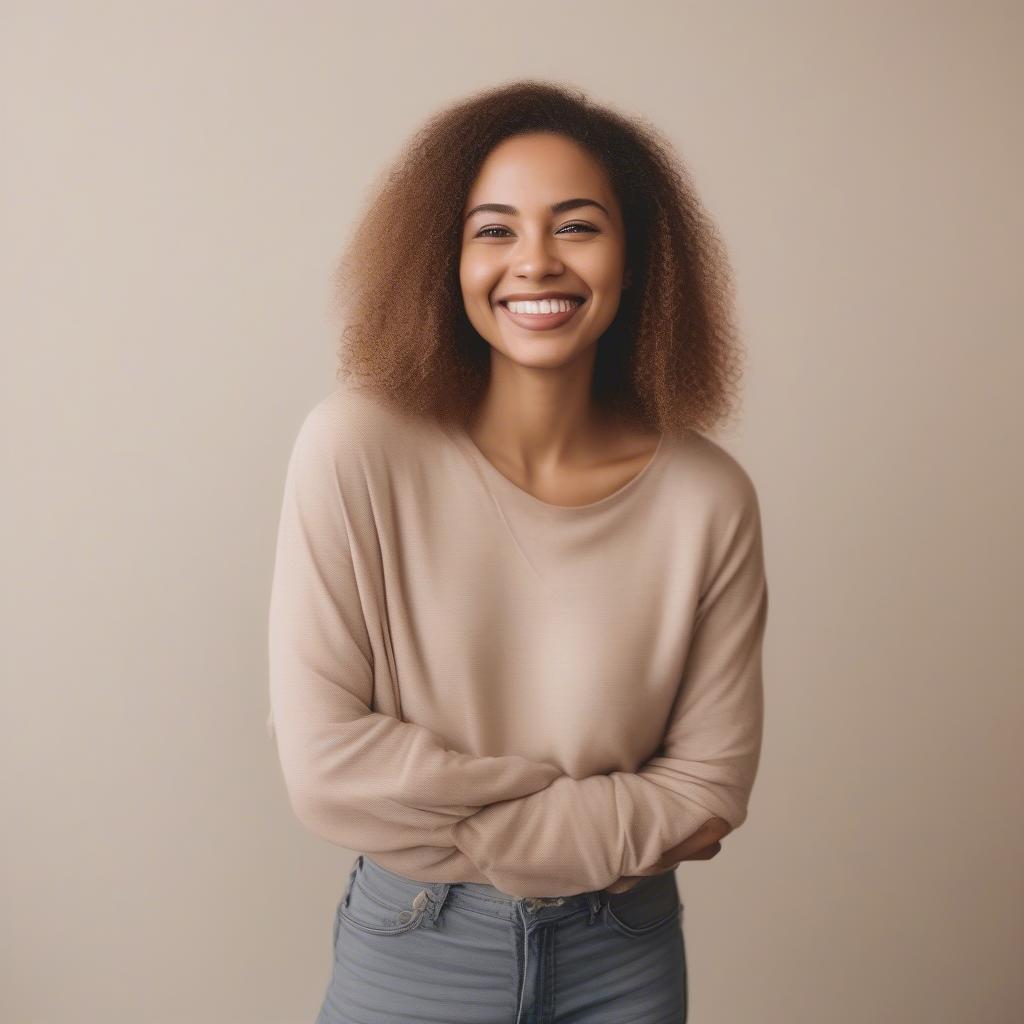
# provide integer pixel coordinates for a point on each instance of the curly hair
(670, 360)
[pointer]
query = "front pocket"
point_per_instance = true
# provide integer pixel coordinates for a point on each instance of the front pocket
(368, 913)
(648, 907)
(637, 930)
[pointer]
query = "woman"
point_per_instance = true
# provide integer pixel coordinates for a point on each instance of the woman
(519, 598)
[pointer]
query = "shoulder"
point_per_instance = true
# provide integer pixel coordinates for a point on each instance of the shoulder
(713, 497)
(355, 424)
(358, 439)
(722, 508)
(709, 470)
(347, 418)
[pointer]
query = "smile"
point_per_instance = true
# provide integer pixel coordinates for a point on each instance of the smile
(543, 315)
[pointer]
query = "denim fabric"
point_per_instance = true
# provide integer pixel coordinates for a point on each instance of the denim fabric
(408, 951)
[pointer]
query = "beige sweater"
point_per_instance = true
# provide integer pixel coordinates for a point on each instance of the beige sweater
(472, 685)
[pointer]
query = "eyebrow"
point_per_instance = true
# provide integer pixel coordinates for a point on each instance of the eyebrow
(511, 211)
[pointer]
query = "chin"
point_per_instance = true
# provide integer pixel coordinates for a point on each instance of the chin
(541, 354)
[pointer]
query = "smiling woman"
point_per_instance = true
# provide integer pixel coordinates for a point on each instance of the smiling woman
(519, 598)
(669, 359)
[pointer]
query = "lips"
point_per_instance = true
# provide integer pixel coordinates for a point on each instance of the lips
(541, 321)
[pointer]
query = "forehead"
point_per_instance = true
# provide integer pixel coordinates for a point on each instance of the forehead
(539, 169)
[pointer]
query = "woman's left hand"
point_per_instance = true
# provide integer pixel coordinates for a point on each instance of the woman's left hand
(702, 845)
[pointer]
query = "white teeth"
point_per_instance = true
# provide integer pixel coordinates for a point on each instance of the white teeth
(543, 306)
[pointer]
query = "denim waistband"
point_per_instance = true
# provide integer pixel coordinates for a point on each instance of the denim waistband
(401, 891)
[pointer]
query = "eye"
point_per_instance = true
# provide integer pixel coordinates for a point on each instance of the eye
(580, 225)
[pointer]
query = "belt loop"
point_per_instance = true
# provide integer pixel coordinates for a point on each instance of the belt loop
(438, 896)
(594, 899)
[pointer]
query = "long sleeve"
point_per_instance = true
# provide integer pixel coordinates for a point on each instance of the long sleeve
(583, 834)
(359, 778)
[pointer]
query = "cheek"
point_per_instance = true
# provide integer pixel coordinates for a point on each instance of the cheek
(602, 268)
(477, 279)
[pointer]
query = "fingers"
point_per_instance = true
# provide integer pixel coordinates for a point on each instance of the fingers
(707, 853)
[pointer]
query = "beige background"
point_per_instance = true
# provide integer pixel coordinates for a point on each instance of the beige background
(177, 182)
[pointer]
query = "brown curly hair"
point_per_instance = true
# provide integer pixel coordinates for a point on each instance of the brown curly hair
(670, 360)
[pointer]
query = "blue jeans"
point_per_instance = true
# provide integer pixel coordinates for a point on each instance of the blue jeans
(408, 951)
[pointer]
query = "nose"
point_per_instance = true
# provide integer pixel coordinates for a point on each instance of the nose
(535, 257)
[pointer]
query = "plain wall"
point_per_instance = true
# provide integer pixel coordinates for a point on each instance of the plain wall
(178, 180)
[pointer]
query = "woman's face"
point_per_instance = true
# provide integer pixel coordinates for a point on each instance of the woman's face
(558, 231)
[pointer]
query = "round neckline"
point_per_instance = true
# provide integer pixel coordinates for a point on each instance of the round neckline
(526, 498)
